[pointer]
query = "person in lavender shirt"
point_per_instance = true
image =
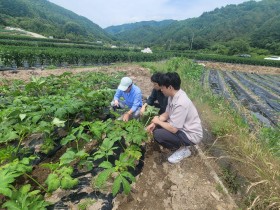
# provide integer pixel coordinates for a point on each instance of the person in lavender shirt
(179, 127)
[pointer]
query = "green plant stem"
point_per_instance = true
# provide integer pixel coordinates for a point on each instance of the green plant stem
(77, 145)
(19, 143)
(41, 186)
(147, 121)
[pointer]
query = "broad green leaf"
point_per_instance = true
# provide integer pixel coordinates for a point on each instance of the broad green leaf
(85, 137)
(25, 189)
(116, 185)
(68, 182)
(22, 116)
(82, 154)
(53, 182)
(36, 118)
(105, 164)
(128, 175)
(126, 186)
(10, 136)
(67, 139)
(103, 177)
(6, 179)
(67, 157)
(12, 205)
(57, 122)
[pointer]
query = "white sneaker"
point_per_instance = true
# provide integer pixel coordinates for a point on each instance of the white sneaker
(179, 155)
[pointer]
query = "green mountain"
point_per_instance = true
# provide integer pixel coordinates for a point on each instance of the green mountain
(133, 26)
(255, 23)
(48, 19)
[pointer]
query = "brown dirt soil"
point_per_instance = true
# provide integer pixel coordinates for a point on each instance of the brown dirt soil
(241, 67)
(189, 184)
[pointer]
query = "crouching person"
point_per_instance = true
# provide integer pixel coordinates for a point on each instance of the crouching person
(132, 99)
(179, 126)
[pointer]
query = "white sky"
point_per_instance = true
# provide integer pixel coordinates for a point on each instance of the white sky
(116, 12)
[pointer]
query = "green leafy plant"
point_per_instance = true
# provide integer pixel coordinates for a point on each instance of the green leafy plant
(24, 199)
(136, 133)
(6, 154)
(61, 178)
(10, 171)
(149, 113)
(86, 203)
(120, 172)
(36, 86)
(7, 178)
(76, 134)
(105, 150)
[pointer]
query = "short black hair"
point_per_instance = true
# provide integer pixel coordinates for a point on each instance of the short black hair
(170, 79)
(156, 77)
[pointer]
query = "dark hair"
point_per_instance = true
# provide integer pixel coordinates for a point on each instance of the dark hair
(156, 77)
(170, 79)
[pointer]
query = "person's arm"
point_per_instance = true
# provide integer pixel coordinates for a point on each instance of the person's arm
(127, 115)
(142, 110)
(137, 102)
(161, 121)
(150, 128)
(152, 98)
(117, 97)
(164, 116)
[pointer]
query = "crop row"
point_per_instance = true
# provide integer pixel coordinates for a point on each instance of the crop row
(21, 56)
(41, 43)
(261, 98)
(33, 39)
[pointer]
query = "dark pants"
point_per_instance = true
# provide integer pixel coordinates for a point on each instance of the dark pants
(170, 140)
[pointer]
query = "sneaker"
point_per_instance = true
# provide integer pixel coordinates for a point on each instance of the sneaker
(179, 155)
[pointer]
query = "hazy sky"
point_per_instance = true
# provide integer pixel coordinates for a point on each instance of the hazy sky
(116, 12)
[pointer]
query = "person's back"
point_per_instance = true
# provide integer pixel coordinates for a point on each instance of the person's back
(187, 117)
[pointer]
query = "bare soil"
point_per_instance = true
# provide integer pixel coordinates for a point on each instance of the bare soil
(241, 67)
(189, 184)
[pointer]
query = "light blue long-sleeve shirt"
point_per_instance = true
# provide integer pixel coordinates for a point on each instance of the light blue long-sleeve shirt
(133, 99)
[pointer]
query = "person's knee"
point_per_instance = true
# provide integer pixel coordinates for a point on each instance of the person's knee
(158, 135)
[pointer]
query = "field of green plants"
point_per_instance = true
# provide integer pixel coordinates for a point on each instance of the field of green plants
(70, 115)
(20, 52)
(58, 132)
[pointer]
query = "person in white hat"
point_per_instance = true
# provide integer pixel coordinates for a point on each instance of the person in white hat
(132, 96)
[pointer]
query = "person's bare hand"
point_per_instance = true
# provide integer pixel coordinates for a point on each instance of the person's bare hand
(116, 103)
(125, 117)
(150, 128)
(142, 110)
(156, 120)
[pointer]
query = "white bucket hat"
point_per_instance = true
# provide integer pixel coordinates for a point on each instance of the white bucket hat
(125, 83)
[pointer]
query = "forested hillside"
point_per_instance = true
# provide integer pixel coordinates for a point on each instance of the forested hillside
(253, 26)
(46, 18)
(253, 23)
(132, 26)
